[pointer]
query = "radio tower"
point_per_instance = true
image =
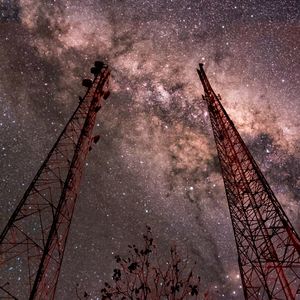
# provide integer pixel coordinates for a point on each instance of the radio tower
(33, 242)
(267, 244)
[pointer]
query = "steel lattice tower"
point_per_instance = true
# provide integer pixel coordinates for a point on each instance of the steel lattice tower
(33, 242)
(267, 244)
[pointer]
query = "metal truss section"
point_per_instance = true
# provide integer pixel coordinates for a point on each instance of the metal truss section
(267, 244)
(33, 242)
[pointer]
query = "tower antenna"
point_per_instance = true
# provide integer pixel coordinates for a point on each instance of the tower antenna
(33, 242)
(267, 244)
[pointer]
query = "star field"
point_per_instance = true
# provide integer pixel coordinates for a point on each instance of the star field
(156, 161)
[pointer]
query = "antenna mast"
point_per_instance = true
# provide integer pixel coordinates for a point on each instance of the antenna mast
(33, 242)
(267, 244)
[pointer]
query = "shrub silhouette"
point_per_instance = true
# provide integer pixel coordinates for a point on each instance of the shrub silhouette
(142, 276)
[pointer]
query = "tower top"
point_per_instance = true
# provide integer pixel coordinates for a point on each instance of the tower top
(206, 85)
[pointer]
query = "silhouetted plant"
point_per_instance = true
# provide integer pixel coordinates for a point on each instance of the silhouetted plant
(85, 294)
(142, 276)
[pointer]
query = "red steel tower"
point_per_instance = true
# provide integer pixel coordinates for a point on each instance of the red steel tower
(33, 242)
(267, 244)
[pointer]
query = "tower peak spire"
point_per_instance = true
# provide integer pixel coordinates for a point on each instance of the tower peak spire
(205, 82)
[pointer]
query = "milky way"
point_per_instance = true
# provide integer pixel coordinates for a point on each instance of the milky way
(156, 163)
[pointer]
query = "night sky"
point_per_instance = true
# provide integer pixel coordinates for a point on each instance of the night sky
(156, 161)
